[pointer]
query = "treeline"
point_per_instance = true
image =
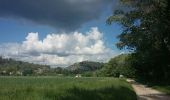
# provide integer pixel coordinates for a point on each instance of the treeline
(119, 65)
(146, 33)
(115, 67)
(13, 67)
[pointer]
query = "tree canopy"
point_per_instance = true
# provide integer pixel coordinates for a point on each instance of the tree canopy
(146, 30)
(119, 65)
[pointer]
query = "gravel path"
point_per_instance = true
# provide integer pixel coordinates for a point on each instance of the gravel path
(146, 93)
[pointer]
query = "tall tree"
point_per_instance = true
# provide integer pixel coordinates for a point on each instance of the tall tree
(146, 32)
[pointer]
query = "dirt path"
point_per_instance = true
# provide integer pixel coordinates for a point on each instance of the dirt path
(146, 93)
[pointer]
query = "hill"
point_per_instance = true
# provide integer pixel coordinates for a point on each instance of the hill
(84, 66)
(13, 67)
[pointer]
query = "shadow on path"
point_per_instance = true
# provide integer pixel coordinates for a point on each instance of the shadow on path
(154, 97)
(146, 93)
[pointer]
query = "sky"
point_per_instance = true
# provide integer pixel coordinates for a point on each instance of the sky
(58, 32)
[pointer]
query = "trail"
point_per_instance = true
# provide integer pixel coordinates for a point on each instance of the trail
(146, 93)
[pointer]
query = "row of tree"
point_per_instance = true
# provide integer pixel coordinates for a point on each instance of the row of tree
(13, 67)
(119, 65)
(20, 68)
(146, 33)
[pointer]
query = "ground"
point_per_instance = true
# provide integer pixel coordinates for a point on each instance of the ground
(146, 93)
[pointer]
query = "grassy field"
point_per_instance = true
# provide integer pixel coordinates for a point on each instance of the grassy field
(57, 88)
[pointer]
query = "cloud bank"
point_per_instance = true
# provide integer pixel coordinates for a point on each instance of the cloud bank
(60, 49)
(62, 14)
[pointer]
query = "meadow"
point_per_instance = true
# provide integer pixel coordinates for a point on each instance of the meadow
(65, 88)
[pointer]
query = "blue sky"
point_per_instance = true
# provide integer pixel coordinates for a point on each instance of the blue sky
(20, 31)
(14, 30)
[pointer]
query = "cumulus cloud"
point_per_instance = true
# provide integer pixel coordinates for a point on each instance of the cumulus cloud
(65, 44)
(60, 49)
(61, 14)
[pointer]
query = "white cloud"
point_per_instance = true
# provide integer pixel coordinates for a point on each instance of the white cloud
(60, 49)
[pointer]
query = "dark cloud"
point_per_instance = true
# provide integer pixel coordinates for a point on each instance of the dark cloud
(62, 14)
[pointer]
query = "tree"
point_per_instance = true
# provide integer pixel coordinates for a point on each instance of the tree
(146, 30)
(119, 65)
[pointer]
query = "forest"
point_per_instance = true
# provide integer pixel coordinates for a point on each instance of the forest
(146, 35)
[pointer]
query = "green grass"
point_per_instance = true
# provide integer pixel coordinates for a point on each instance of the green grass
(58, 88)
(165, 89)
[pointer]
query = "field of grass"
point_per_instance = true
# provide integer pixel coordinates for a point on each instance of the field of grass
(58, 88)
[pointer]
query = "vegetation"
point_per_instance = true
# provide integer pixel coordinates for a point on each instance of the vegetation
(18, 68)
(146, 30)
(13, 67)
(117, 66)
(84, 66)
(59, 88)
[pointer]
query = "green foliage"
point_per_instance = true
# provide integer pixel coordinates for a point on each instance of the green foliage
(27, 72)
(59, 71)
(84, 66)
(146, 32)
(13, 67)
(88, 74)
(58, 88)
(120, 65)
(18, 68)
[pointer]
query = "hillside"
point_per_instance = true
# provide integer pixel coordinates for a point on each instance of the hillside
(13, 67)
(84, 66)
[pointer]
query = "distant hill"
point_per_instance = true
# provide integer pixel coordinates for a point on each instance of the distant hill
(13, 67)
(84, 66)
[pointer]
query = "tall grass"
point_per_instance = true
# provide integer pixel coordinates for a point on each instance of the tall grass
(58, 88)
